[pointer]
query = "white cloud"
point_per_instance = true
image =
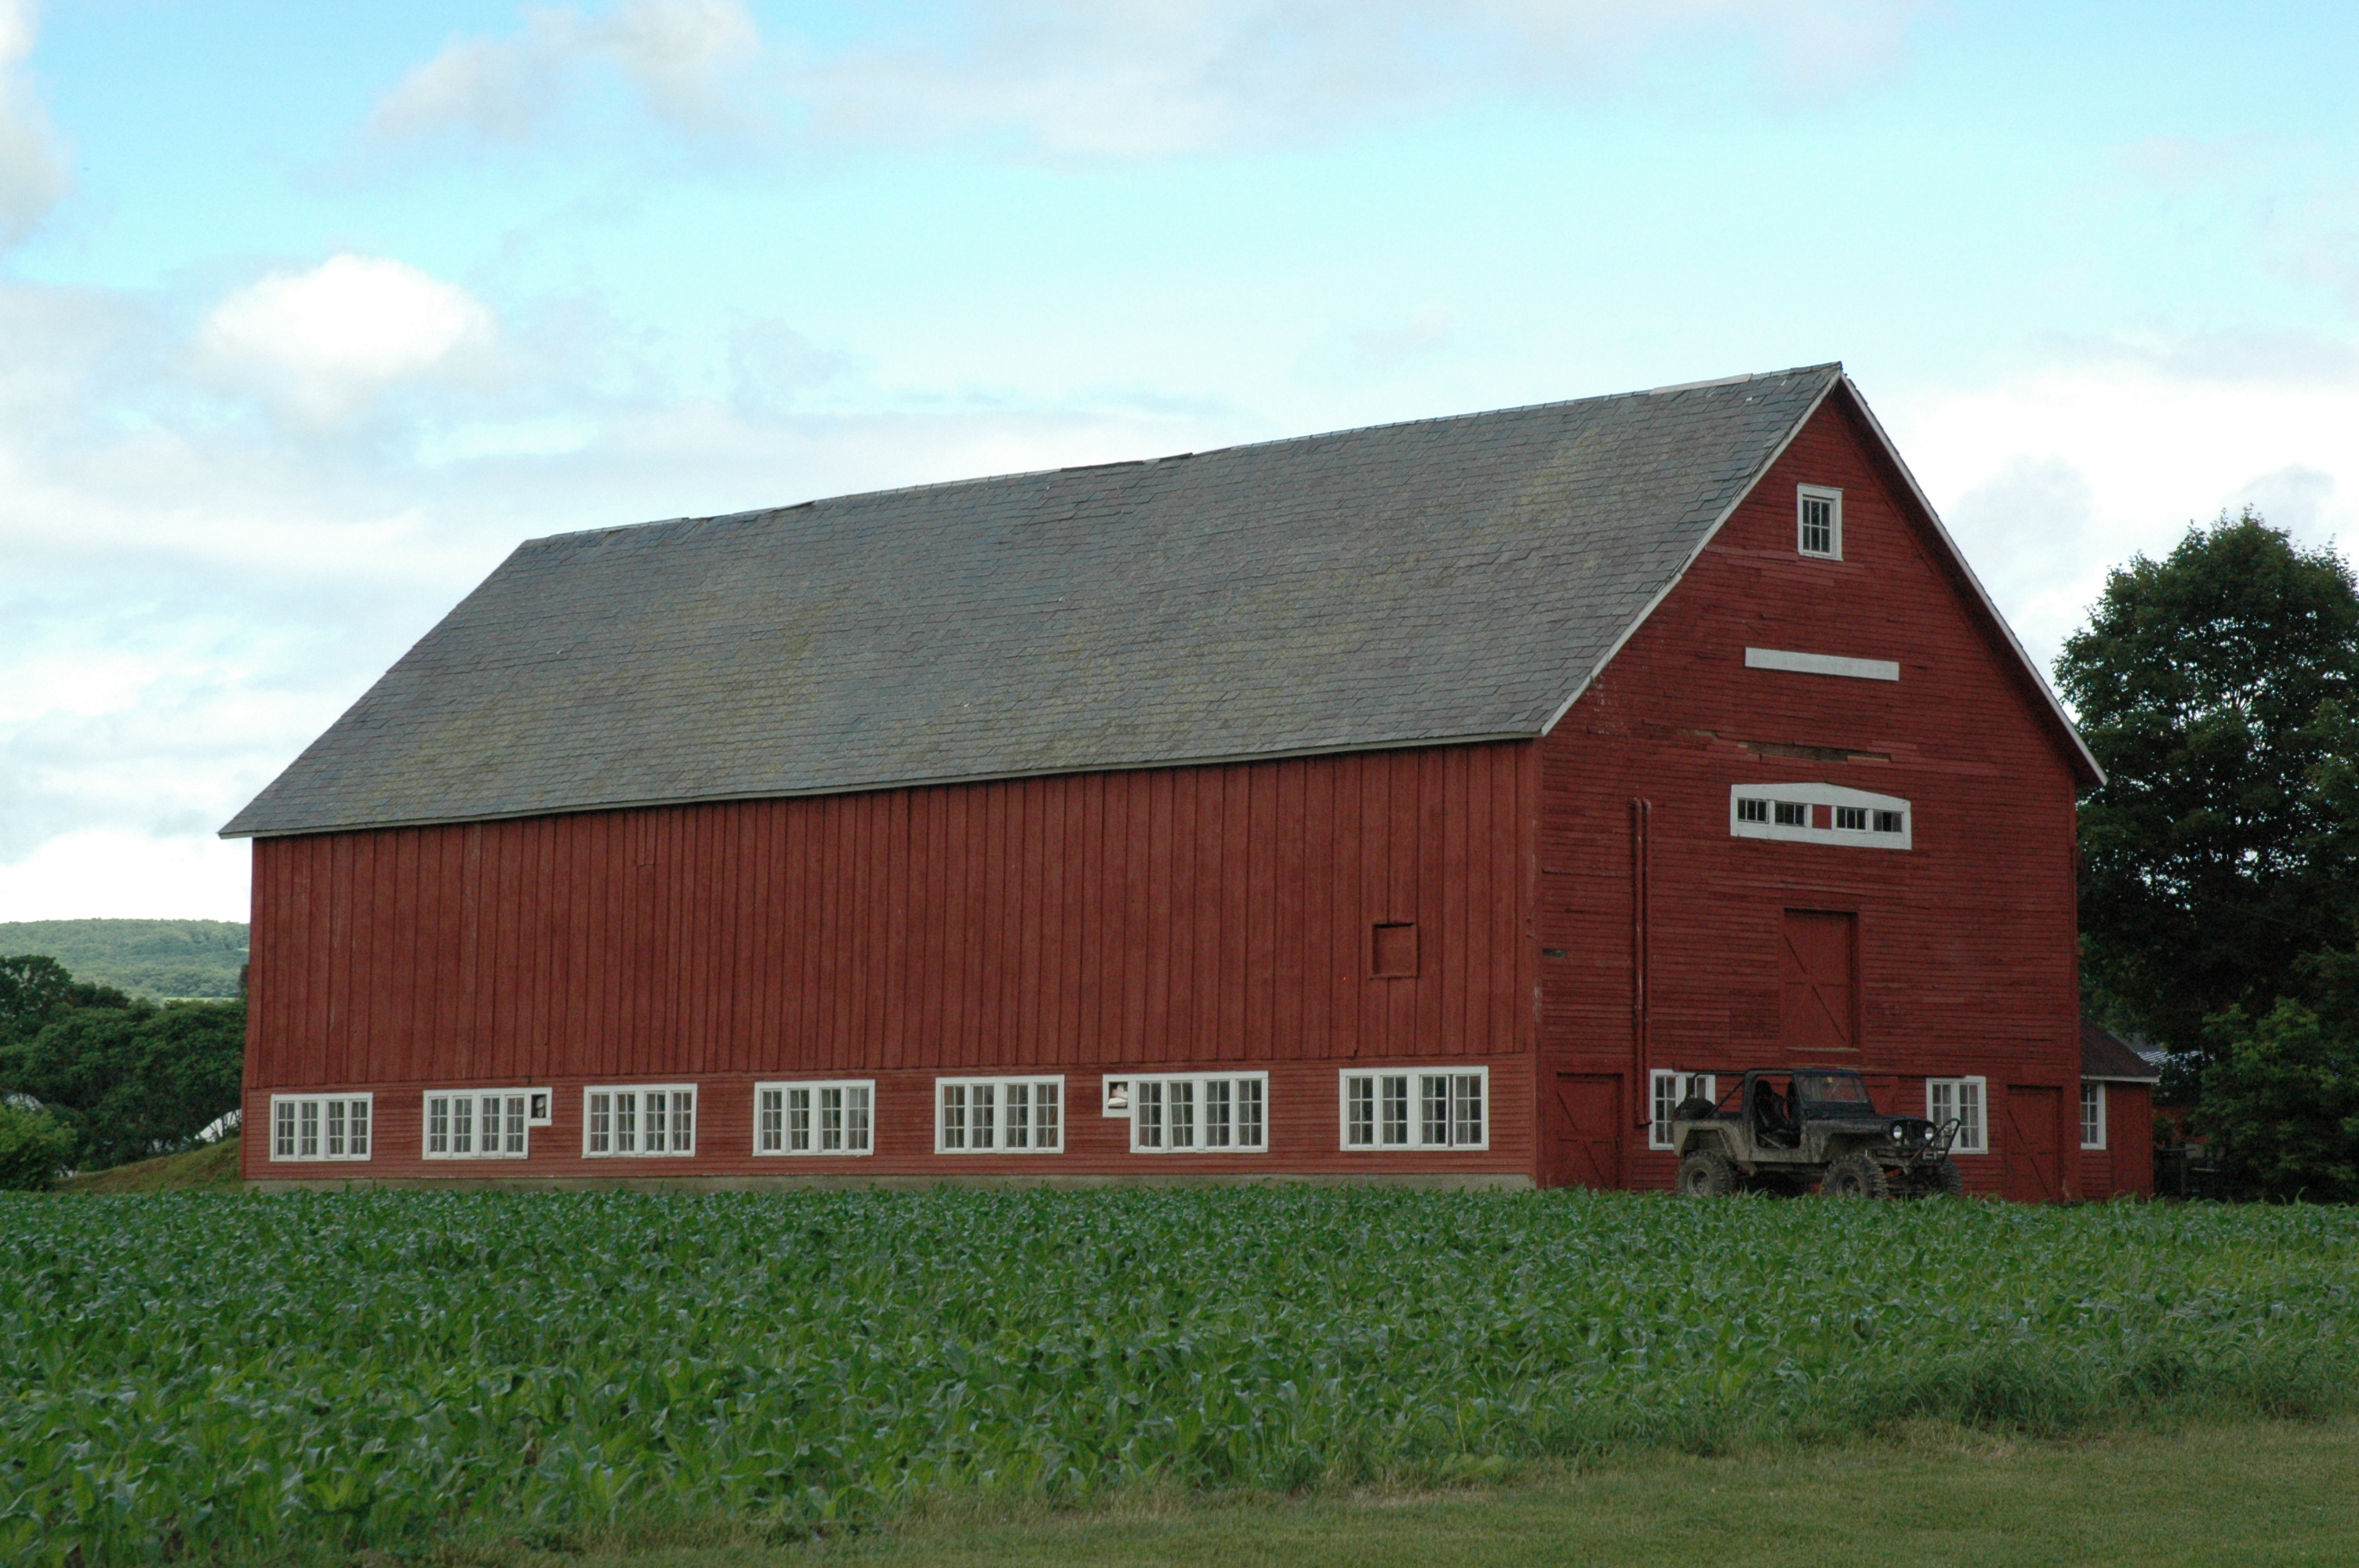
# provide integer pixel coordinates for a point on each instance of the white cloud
(2291, 203)
(32, 166)
(321, 344)
(1117, 78)
(1085, 77)
(100, 873)
(2049, 477)
(2297, 498)
(681, 55)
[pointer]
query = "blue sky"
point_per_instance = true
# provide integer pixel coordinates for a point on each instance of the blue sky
(309, 314)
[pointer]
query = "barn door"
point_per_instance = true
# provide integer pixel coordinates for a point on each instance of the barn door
(1588, 1141)
(1818, 970)
(2034, 1159)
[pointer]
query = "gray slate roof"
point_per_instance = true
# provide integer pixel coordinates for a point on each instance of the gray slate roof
(1442, 581)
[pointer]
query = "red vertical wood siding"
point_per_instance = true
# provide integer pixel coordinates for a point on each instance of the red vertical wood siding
(1170, 919)
(1965, 942)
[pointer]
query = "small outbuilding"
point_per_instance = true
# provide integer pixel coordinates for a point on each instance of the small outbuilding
(1439, 801)
(2117, 1088)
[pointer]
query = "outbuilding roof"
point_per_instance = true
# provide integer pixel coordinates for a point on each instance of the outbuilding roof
(1449, 579)
(2106, 1056)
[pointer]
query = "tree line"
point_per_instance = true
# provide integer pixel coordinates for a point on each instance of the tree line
(2219, 876)
(91, 1078)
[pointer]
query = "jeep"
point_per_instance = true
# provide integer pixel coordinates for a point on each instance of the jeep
(1789, 1130)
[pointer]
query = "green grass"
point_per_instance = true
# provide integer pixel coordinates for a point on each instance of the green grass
(153, 959)
(212, 1168)
(246, 1378)
(2247, 1496)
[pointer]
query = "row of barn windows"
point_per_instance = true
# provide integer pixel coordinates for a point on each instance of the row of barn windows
(1796, 814)
(1963, 1100)
(1407, 1108)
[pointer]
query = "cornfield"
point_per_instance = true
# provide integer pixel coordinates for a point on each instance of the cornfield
(197, 1378)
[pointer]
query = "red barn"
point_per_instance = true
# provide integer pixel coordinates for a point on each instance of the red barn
(1428, 803)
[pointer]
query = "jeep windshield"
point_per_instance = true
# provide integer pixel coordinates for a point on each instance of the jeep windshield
(1835, 1094)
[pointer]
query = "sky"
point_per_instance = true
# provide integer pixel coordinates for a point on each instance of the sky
(309, 314)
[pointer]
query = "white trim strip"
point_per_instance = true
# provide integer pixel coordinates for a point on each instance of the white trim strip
(1821, 664)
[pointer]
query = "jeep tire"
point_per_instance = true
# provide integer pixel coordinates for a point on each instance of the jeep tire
(1854, 1176)
(1706, 1174)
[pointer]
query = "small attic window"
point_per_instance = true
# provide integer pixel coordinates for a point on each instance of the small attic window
(1818, 522)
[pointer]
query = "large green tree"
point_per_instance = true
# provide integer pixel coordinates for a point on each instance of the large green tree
(2280, 1104)
(2218, 859)
(131, 1081)
(35, 988)
(123, 1078)
(34, 1147)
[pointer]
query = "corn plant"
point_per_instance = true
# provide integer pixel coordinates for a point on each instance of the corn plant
(211, 1378)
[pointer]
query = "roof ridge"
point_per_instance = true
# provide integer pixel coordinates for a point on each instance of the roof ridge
(1831, 368)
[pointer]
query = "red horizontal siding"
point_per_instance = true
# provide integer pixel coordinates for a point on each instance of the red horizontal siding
(1184, 916)
(2125, 1166)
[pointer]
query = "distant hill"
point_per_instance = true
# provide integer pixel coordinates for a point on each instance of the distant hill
(146, 958)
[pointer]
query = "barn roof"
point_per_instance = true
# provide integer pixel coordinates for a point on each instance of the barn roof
(1447, 580)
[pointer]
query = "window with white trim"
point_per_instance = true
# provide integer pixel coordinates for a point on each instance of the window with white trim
(2092, 1115)
(479, 1124)
(1964, 1101)
(999, 1116)
(818, 1117)
(321, 1127)
(643, 1119)
(1669, 1090)
(1417, 1108)
(1181, 1113)
(1818, 521)
(1791, 812)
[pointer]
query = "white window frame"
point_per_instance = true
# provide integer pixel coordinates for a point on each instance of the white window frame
(779, 1126)
(1663, 1082)
(1379, 1100)
(1164, 1106)
(1807, 797)
(1803, 495)
(1973, 1095)
(2092, 1098)
(613, 1121)
(440, 1122)
(982, 1103)
(318, 1122)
